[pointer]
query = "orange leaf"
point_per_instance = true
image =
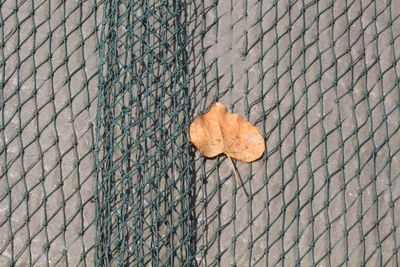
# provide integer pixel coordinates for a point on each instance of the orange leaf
(221, 132)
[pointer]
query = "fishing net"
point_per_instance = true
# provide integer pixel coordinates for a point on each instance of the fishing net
(49, 80)
(96, 162)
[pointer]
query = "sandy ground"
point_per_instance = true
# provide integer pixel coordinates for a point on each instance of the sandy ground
(318, 80)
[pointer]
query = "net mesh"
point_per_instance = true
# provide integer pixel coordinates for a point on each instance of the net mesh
(49, 77)
(96, 162)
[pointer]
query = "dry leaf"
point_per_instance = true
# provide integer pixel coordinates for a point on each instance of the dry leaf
(219, 131)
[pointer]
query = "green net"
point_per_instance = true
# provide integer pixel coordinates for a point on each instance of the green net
(145, 168)
(96, 165)
(49, 78)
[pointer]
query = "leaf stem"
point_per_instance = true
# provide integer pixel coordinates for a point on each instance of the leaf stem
(237, 178)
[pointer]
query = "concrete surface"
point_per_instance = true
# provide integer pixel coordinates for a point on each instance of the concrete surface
(299, 69)
(46, 213)
(319, 81)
